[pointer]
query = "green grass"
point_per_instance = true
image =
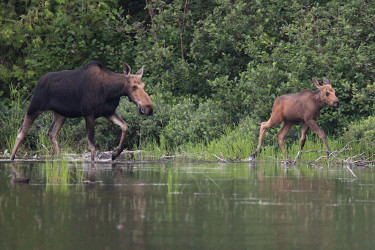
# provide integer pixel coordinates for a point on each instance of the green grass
(57, 171)
(236, 146)
(60, 171)
(13, 122)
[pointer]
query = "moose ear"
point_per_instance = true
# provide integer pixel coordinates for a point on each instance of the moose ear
(140, 72)
(326, 81)
(127, 69)
(316, 83)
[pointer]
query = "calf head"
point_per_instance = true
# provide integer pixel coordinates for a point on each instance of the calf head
(136, 91)
(327, 93)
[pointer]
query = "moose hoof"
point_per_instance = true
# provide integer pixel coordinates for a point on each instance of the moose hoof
(252, 156)
(116, 153)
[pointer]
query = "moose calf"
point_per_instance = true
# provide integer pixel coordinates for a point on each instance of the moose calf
(303, 107)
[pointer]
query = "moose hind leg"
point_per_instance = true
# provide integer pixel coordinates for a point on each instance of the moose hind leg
(28, 121)
(58, 121)
(263, 127)
(90, 132)
(115, 119)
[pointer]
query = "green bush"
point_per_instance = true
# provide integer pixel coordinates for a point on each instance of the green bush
(361, 130)
(360, 134)
(190, 124)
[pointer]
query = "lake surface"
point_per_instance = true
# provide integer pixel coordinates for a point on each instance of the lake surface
(185, 206)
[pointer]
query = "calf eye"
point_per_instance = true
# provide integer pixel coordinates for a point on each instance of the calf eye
(327, 93)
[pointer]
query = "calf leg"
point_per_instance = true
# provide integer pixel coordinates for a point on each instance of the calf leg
(58, 121)
(28, 121)
(115, 119)
(90, 131)
(281, 135)
(314, 127)
(263, 127)
(304, 130)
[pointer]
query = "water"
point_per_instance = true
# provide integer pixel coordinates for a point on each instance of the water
(184, 206)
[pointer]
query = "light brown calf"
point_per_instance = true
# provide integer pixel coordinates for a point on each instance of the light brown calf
(303, 107)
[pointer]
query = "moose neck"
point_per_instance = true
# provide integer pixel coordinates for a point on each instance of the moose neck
(117, 86)
(318, 100)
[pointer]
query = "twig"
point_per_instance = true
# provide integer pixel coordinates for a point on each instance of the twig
(351, 171)
(167, 157)
(152, 14)
(220, 159)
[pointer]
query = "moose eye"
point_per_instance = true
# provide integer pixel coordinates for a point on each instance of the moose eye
(327, 93)
(134, 87)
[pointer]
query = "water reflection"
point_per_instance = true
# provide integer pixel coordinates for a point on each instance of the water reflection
(106, 205)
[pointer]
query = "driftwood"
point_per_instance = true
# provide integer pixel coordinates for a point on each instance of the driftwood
(338, 157)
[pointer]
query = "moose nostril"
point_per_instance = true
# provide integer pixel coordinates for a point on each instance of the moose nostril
(150, 109)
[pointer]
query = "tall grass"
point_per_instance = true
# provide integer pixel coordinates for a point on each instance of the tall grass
(60, 171)
(13, 120)
(43, 144)
(238, 145)
(57, 172)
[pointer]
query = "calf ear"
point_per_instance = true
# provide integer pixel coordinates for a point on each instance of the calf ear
(326, 81)
(140, 72)
(127, 69)
(316, 83)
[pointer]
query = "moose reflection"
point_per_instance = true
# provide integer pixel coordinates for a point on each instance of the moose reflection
(303, 107)
(90, 92)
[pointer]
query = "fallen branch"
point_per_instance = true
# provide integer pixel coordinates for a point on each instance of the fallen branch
(351, 171)
(334, 157)
(220, 159)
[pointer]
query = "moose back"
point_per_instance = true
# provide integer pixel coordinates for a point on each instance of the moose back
(89, 92)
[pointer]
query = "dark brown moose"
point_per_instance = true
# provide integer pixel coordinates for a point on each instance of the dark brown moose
(90, 92)
(303, 107)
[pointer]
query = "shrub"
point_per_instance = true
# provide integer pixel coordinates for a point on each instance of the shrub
(190, 124)
(361, 134)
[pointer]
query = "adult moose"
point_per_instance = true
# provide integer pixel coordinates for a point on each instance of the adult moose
(303, 107)
(89, 92)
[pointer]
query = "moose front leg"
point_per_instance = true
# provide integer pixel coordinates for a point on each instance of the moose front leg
(90, 131)
(314, 127)
(304, 130)
(115, 119)
(281, 135)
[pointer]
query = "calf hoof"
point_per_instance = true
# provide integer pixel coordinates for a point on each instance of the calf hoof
(288, 162)
(251, 158)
